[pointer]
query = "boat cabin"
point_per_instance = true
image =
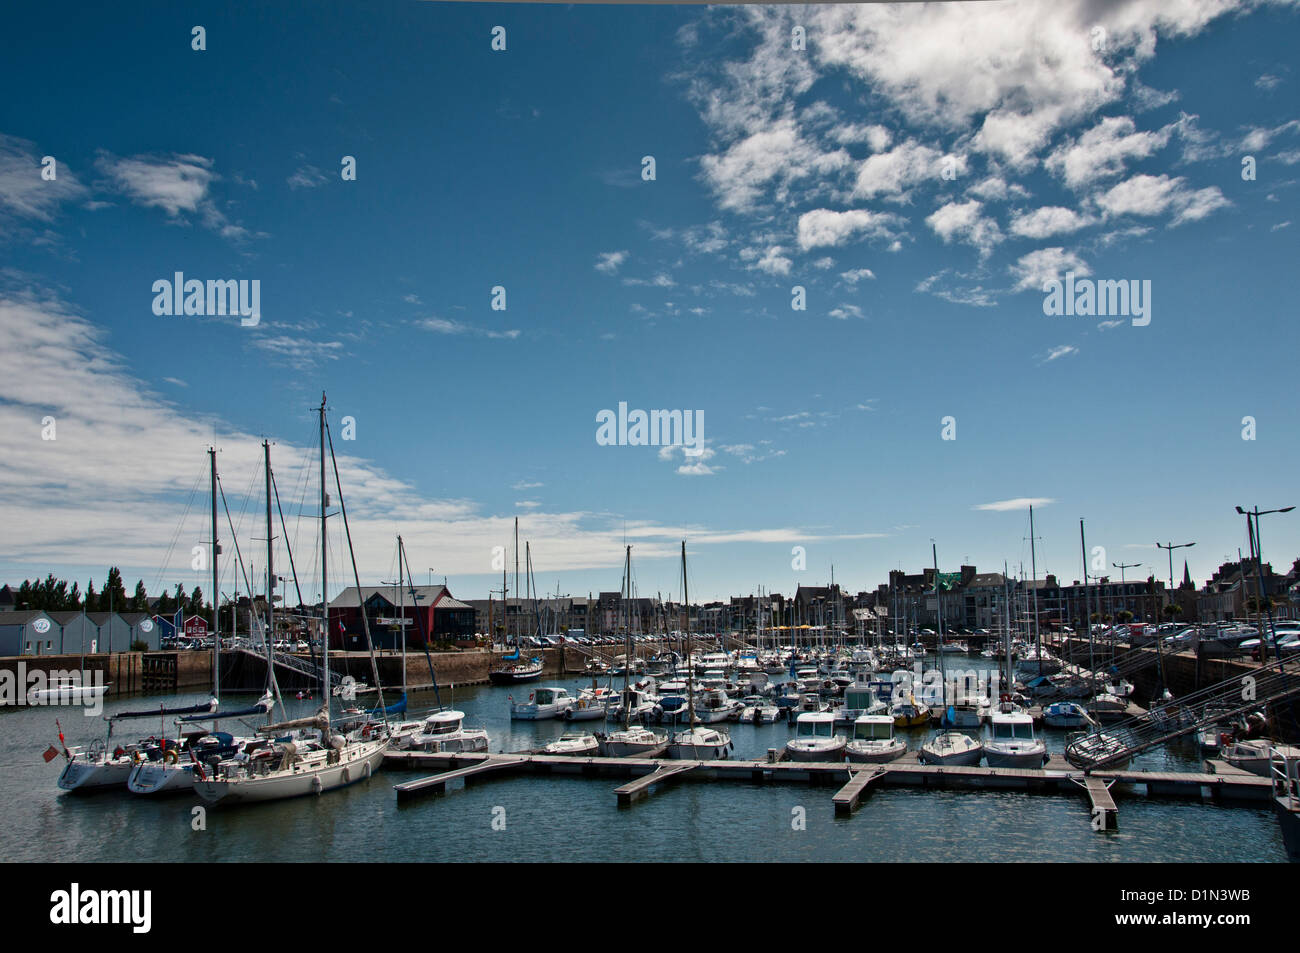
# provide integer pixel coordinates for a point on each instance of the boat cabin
(873, 728)
(815, 725)
(443, 722)
(1013, 727)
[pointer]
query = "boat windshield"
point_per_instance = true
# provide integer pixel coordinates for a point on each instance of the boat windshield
(816, 729)
(872, 732)
(545, 696)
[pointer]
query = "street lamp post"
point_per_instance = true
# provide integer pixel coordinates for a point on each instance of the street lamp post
(1259, 569)
(1171, 547)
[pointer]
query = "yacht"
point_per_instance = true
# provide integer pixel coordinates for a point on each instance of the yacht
(1013, 743)
(543, 703)
(631, 742)
(952, 748)
(815, 739)
(715, 706)
(592, 705)
(574, 744)
(1066, 715)
(873, 740)
(443, 732)
(268, 771)
(169, 769)
(1255, 755)
(95, 767)
(700, 743)
(758, 711)
(67, 690)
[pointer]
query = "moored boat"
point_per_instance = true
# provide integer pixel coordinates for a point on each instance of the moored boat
(873, 741)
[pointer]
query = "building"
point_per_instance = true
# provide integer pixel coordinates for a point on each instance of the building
(29, 632)
(431, 615)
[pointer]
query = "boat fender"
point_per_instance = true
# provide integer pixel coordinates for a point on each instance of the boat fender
(365, 772)
(316, 784)
(347, 775)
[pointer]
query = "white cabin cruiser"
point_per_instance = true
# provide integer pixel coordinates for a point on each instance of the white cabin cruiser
(443, 732)
(873, 740)
(700, 744)
(543, 703)
(815, 739)
(575, 744)
(1014, 744)
(631, 742)
(1066, 715)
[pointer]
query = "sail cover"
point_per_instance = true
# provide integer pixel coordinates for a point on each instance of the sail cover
(211, 706)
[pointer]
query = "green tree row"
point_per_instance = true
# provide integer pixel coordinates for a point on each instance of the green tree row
(52, 595)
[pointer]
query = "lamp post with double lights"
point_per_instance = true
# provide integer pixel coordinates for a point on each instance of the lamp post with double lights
(1256, 513)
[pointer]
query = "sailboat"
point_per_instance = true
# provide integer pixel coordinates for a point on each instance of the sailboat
(948, 747)
(305, 762)
(629, 741)
(695, 742)
(514, 669)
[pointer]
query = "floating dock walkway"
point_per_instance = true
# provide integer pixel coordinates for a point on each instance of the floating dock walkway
(1220, 782)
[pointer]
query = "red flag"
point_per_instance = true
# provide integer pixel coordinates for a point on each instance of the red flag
(50, 754)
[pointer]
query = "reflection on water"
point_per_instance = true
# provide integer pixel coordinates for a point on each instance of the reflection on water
(565, 818)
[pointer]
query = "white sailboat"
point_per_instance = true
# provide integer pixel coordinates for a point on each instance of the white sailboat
(306, 764)
(948, 747)
(696, 742)
(629, 741)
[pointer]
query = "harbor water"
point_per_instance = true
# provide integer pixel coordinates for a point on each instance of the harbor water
(566, 818)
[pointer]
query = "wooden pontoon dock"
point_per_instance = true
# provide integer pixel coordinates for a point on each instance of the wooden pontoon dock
(1219, 783)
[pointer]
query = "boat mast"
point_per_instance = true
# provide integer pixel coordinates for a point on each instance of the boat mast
(216, 602)
(401, 610)
(324, 578)
(1087, 606)
(690, 681)
(938, 608)
(1033, 569)
(627, 658)
(516, 578)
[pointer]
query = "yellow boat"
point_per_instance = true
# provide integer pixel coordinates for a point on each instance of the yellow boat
(910, 714)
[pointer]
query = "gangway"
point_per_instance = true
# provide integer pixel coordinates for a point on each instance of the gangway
(1114, 745)
(294, 663)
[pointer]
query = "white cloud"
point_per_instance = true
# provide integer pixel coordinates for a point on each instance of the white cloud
(609, 261)
(854, 275)
(179, 184)
(23, 192)
(845, 311)
(1149, 195)
(891, 175)
(1037, 267)
(824, 227)
(1058, 352)
(1019, 503)
(1048, 221)
(307, 177)
(1103, 150)
(445, 326)
(962, 221)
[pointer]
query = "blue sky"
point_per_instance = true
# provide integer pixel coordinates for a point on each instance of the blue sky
(821, 168)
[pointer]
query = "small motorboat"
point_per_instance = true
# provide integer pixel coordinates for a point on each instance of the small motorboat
(1014, 744)
(1066, 715)
(575, 744)
(543, 703)
(952, 748)
(873, 740)
(815, 739)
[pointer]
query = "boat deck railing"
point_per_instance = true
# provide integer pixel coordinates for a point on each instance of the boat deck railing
(1116, 743)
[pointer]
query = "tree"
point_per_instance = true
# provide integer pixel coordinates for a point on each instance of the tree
(140, 601)
(195, 606)
(114, 594)
(92, 599)
(1173, 610)
(1125, 615)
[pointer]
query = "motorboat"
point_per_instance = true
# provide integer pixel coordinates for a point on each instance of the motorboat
(952, 748)
(1106, 707)
(714, 706)
(67, 690)
(592, 705)
(1013, 743)
(543, 703)
(1256, 754)
(910, 713)
(700, 743)
(444, 732)
(873, 740)
(1066, 715)
(758, 711)
(631, 742)
(574, 744)
(815, 739)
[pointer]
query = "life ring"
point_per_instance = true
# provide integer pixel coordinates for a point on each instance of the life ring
(170, 756)
(365, 732)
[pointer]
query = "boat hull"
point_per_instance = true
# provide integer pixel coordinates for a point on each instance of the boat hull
(281, 784)
(874, 752)
(154, 778)
(82, 777)
(797, 750)
(1018, 756)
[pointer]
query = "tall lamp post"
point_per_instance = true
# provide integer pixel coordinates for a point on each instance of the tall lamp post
(1171, 547)
(1122, 581)
(1259, 568)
